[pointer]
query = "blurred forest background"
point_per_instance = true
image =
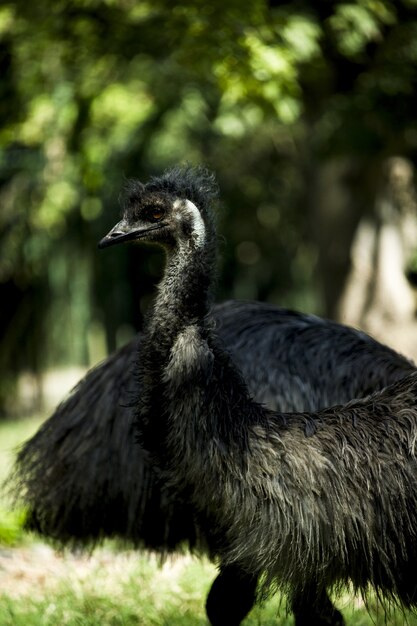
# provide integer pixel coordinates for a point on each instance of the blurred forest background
(306, 111)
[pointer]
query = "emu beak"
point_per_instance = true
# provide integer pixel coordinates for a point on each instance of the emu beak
(123, 232)
(118, 234)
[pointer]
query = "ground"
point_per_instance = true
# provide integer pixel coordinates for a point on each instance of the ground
(36, 568)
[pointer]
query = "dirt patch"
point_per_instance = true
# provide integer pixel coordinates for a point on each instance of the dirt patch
(37, 569)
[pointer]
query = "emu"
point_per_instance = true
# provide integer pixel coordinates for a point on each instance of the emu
(308, 500)
(82, 477)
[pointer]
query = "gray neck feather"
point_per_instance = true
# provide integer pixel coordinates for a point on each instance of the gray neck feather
(184, 293)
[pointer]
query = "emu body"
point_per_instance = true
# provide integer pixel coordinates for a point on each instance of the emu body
(82, 476)
(323, 497)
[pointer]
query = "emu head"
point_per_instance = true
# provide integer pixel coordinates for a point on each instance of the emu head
(169, 210)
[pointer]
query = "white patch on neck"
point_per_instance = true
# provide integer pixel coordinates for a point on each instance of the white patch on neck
(190, 354)
(198, 226)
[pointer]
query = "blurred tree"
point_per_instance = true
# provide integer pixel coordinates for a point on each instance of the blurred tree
(283, 100)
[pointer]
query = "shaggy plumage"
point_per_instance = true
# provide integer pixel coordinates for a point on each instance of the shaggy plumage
(328, 497)
(81, 476)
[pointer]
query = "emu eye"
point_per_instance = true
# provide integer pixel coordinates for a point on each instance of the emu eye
(156, 214)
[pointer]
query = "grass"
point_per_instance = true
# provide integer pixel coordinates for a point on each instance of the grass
(129, 589)
(12, 434)
(112, 587)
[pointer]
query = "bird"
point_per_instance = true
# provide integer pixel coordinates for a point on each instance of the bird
(81, 477)
(308, 500)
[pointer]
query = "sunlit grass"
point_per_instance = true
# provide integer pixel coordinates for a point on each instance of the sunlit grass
(117, 590)
(127, 589)
(12, 434)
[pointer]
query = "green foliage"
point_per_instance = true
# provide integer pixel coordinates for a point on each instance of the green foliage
(93, 92)
(356, 25)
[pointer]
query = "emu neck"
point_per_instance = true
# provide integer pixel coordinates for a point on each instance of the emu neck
(182, 304)
(184, 293)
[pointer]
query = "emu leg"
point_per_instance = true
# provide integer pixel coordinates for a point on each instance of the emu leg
(314, 608)
(233, 594)
(231, 597)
